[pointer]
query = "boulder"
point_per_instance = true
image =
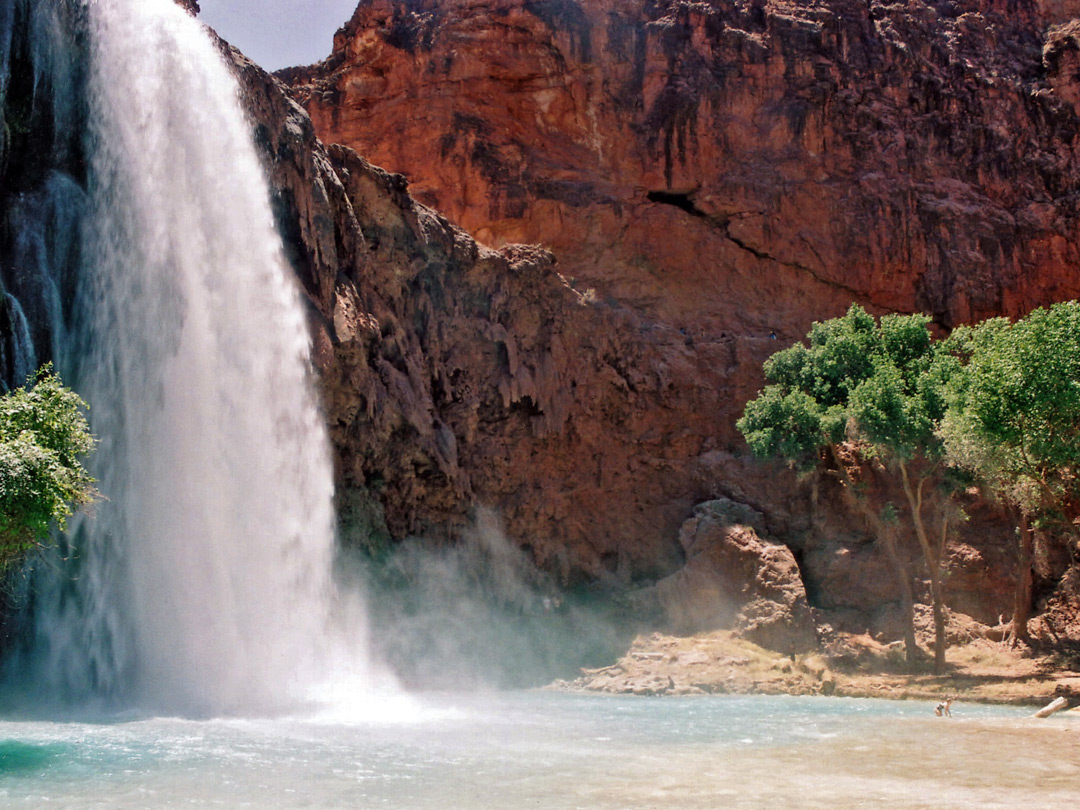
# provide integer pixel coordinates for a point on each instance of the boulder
(736, 579)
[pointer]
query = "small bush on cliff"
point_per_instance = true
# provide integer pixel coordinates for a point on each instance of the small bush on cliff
(43, 438)
(861, 390)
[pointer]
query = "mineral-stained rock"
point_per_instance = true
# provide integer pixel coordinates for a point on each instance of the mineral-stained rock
(711, 177)
(1054, 12)
(734, 579)
(455, 375)
(687, 157)
(1061, 59)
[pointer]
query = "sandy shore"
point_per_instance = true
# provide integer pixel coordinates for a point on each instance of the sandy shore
(719, 663)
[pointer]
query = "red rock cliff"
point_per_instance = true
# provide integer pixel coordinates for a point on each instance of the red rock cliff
(713, 176)
(731, 167)
(455, 375)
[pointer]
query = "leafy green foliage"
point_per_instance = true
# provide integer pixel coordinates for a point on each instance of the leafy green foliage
(1014, 423)
(998, 402)
(1014, 414)
(882, 384)
(783, 423)
(43, 437)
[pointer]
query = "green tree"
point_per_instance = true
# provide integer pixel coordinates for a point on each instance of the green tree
(43, 438)
(1014, 420)
(864, 390)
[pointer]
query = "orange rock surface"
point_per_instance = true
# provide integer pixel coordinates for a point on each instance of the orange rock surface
(734, 169)
(711, 177)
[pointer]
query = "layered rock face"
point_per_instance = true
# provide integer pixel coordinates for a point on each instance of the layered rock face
(730, 168)
(712, 177)
(455, 375)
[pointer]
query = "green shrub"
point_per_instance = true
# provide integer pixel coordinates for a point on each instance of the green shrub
(43, 438)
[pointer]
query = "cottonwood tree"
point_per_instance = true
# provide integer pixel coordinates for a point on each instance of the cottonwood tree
(1014, 420)
(863, 390)
(43, 438)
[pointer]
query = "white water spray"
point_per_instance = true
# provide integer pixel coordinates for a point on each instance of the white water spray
(204, 581)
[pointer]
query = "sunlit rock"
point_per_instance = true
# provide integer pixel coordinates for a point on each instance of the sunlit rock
(733, 578)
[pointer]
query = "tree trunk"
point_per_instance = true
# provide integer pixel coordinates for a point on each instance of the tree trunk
(907, 593)
(939, 622)
(886, 534)
(933, 564)
(1022, 597)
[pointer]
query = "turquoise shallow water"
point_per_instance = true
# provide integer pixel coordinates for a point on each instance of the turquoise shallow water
(551, 750)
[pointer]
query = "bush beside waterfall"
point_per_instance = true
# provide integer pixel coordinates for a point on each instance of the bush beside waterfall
(43, 438)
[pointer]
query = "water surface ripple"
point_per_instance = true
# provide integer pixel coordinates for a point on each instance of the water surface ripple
(550, 750)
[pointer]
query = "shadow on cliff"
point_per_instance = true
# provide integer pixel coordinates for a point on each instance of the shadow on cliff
(479, 614)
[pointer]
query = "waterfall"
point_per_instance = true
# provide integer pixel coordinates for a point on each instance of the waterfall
(202, 585)
(46, 227)
(24, 356)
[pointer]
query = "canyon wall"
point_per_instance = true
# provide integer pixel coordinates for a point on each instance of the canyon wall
(456, 375)
(681, 158)
(710, 177)
(703, 180)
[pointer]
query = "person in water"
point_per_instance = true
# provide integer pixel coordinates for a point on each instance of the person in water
(942, 709)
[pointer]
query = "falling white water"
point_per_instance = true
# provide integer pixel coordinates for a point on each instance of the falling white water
(24, 356)
(45, 224)
(204, 581)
